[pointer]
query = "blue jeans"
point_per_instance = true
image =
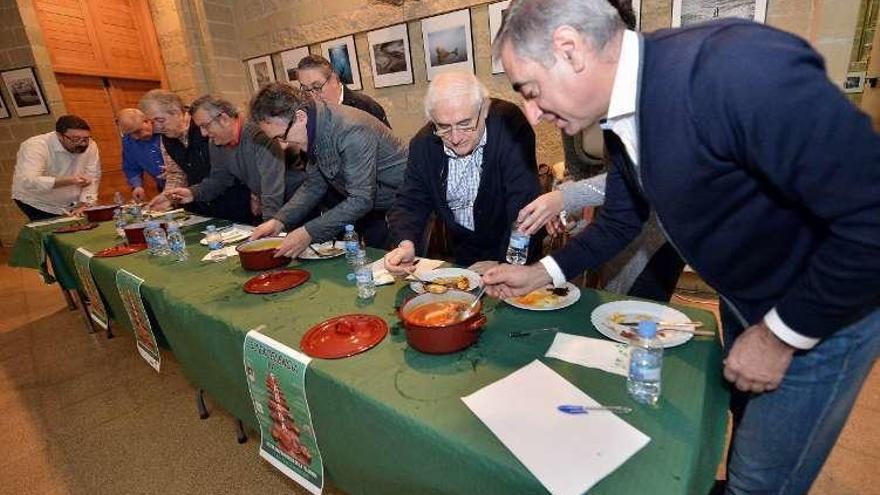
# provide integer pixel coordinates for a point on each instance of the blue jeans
(782, 438)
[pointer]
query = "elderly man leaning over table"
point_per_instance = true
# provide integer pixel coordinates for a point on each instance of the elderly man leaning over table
(185, 151)
(239, 150)
(473, 165)
(348, 150)
(780, 213)
(58, 172)
(141, 151)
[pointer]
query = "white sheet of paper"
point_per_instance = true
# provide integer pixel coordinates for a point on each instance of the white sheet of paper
(52, 221)
(382, 277)
(605, 355)
(567, 453)
(220, 254)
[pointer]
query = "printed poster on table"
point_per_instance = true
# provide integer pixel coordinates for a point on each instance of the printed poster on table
(82, 260)
(129, 286)
(276, 376)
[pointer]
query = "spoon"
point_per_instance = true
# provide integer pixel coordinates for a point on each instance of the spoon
(467, 309)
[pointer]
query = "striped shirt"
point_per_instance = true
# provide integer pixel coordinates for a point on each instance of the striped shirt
(463, 182)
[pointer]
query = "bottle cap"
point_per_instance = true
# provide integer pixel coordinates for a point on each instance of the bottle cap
(173, 227)
(349, 228)
(211, 228)
(648, 329)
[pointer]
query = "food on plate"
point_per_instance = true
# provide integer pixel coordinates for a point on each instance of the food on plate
(329, 251)
(438, 313)
(459, 282)
(543, 297)
(617, 319)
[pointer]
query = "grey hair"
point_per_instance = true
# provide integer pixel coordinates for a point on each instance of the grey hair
(278, 100)
(164, 100)
(453, 86)
(530, 25)
(129, 120)
(214, 105)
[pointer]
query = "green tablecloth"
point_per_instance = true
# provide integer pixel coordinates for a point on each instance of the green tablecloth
(31, 249)
(391, 420)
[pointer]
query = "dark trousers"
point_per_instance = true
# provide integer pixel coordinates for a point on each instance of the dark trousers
(373, 229)
(32, 213)
(660, 276)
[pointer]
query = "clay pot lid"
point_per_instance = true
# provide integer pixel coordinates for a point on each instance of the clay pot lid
(76, 227)
(277, 281)
(120, 250)
(344, 336)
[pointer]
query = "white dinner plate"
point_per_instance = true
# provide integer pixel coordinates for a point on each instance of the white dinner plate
(232, 234)
(602, 319)
(544, 300)
(474, 280)
(308, 254)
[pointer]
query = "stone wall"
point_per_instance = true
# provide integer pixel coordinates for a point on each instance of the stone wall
(21, 44)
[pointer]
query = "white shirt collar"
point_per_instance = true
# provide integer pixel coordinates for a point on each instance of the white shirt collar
(625, 90)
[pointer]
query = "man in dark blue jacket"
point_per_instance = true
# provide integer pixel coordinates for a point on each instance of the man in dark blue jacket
(763, 176)
(473, 165)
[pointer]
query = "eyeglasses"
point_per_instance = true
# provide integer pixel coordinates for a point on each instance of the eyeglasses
(77, 140)
(441, 130)
(314, 89)
(283, 137)
(207, 124)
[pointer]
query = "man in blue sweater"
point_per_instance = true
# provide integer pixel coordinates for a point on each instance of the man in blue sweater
(765, 179)
(141, 151)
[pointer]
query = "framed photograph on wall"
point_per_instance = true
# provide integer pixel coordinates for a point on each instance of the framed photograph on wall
(390, 56)
(854, 82)
(290, 59)
(4, 110)
(497, 14)
(687, 12)
(343, 57)
(448, 42)
(25, 92)
(261, 71)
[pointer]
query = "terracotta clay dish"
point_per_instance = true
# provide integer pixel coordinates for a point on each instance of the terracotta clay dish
(344, 336)
(277, 281)
(75, 228)
(120, 250)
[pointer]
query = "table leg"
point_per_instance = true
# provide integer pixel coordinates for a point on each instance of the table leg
(71, 304)
(200, 404)
(242, 435)
(90, 326)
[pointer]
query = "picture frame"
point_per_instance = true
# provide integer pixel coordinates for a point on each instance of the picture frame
(25, 92)
(448, 43)
(342, 55)
(390, 56)
(290, 60)
(854, 82)
(261, 71)
(497, 13)
(4, 110)
(687, 12)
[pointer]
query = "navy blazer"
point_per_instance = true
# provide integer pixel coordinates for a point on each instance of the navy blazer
(509, 181)
(763, 175)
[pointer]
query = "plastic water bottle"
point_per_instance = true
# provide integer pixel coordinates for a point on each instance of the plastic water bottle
(214, 239)
(363, 272)
(176, 243)
(645, 365)
(518, 249)
(352, 244)
(119, 222)
(137, 215)
(157, 241)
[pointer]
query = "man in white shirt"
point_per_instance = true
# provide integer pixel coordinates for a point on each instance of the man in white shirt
(58, 172)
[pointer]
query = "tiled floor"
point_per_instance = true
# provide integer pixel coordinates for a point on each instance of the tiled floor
(85, 415)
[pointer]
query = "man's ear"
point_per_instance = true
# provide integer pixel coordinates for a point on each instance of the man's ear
(569, 47)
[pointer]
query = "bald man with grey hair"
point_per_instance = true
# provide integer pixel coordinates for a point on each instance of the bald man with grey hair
(141, 151)
(473, 165)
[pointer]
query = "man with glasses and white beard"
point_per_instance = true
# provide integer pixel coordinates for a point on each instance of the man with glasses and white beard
(57, 172)
(473, 165)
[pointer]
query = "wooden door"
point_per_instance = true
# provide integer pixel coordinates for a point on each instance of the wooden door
(97, 100)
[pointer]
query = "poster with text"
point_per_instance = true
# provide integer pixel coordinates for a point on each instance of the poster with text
(129, 286)
(276, 377)
(82, 260)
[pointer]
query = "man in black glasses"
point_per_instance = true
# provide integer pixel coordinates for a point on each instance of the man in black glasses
(317, 78)
(348, 152)
(58, 172)
(473, 165)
